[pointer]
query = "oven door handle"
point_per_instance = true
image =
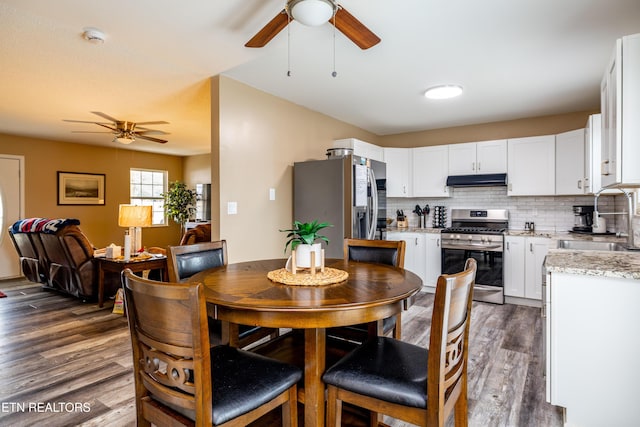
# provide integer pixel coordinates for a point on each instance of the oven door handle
(470, 247)
(486, 288)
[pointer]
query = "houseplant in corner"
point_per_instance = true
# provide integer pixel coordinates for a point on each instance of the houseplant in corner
(180, 203)
(302, 238)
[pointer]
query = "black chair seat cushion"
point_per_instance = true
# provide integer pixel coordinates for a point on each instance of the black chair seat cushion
(242, 381)
(386, 369)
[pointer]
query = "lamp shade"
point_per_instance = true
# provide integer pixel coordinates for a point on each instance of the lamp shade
(134, 216)
(312, 12)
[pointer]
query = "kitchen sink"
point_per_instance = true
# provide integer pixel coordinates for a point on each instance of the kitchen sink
(590, 245)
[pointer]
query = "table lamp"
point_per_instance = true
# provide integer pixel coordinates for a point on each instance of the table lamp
(135, 217)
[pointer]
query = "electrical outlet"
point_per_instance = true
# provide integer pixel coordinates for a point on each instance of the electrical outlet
(232, 208)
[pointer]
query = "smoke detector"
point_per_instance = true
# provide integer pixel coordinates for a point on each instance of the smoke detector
(93, 35)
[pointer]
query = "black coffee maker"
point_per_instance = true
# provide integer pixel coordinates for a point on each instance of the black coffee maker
(583, 218)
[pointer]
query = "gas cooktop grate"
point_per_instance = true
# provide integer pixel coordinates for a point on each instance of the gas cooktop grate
(475, 230)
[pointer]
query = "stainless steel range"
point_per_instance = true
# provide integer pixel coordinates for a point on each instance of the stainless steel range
(478, 234)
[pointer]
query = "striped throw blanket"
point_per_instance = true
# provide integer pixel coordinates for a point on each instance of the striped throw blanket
(42, 225)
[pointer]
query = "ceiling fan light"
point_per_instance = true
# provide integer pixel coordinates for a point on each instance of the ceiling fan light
(443, 92)
(312, 12)
(126, 140)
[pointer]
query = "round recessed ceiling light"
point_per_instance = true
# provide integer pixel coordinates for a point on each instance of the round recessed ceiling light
(443, 92)
(93, 35)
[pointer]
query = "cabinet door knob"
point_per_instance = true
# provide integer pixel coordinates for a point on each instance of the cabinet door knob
(473, 166)
(478, 166)
(580, 184)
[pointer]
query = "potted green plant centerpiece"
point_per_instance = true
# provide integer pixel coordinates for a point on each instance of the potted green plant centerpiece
(302, 238)
(180, 203)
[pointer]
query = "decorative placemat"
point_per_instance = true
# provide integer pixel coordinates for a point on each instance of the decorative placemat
(304, 278)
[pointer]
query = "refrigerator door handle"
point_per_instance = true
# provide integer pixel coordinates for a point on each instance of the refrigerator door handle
(374, 208)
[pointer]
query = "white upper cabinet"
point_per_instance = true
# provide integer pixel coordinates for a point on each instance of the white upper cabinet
(492, 156)
(398, 162)
(462, 158)
(531, 166)
(478, 157)
(570, 162)
(592, 149)
(361, 148)
(430, 168)
(620, 107)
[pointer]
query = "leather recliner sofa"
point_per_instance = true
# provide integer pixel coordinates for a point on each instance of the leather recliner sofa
(59, 255)
(199, 234)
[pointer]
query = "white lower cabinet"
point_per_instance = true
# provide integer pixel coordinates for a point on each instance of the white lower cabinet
(523, 259)
(414, 256)
(433, 259)
(592, 348)
(422, 255)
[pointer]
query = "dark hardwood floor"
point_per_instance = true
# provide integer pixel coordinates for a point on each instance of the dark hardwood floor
(68, 363)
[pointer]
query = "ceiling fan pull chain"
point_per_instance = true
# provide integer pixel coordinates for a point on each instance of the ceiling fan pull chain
(334, 73)
(288, 46)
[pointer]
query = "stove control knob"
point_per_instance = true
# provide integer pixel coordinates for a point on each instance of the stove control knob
(483, 239)
(457, 237)
(470, 238)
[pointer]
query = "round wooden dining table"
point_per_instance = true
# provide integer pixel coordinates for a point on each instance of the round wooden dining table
(242, 294)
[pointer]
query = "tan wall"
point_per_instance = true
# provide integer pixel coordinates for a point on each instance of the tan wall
(260, 137)
(43, 158)
(197, 170)
(545, 125)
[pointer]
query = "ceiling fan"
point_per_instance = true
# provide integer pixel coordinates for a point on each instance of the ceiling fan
(126, 132)
(314, 13)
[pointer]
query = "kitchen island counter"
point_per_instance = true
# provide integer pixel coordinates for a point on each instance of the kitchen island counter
(616, 264)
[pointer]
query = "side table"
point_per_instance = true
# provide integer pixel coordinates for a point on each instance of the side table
(119, 265)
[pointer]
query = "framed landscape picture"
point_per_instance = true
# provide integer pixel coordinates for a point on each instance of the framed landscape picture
(80, 188)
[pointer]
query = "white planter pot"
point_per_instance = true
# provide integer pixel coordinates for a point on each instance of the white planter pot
(303, 255)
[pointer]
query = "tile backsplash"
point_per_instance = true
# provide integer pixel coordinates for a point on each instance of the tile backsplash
(549, 213)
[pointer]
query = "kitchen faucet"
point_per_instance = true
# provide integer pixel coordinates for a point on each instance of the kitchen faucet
(629, 213)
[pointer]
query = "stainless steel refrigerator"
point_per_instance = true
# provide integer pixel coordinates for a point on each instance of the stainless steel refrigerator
(348, 192)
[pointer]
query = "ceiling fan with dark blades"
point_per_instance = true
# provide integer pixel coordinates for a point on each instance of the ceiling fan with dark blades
(313, 13)
(125, 132)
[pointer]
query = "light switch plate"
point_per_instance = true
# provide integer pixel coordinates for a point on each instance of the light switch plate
(272, 194)
(232, 208)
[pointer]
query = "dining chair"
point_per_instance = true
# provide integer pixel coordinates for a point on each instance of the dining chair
(389, 252)
(180, 380)
(186, 260)
(408, 382)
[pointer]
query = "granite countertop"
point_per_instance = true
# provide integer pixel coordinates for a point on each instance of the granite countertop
(415, 230)
(618, 264)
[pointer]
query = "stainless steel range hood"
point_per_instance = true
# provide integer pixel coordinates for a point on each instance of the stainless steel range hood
(485, 180)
